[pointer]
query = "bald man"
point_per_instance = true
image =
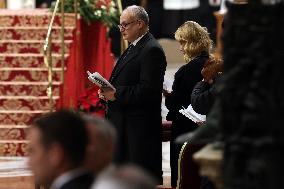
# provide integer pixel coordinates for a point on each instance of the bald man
(134, 107)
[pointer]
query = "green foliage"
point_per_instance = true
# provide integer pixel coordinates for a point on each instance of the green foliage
(94, 10)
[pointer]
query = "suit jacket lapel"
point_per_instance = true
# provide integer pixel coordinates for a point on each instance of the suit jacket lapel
(120, 65)
(119, 60)
(124, 62)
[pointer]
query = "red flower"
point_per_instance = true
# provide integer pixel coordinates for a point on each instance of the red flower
(101, 3)
(91, 103)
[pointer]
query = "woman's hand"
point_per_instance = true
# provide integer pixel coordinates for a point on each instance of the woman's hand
(166, 92)
(209, 81)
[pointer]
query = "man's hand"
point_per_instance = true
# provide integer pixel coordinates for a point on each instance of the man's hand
(201, 123)
(107, 94)
(101, 96)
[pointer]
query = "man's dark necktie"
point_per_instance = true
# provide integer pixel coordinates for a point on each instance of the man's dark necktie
(127, 51)
(120, 62)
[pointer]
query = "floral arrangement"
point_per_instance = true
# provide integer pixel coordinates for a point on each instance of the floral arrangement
(90, 102)
(95, 10)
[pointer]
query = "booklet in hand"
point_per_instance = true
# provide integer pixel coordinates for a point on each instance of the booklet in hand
(191, 114)
(100, 81)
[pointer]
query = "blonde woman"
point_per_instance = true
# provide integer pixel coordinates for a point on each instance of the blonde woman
(195, 44)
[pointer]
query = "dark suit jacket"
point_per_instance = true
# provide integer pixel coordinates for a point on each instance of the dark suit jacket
(202, 97)
(82, 182)
(185, 80)
(136, 112)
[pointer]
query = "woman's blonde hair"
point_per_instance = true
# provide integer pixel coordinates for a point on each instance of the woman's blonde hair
(195, 37)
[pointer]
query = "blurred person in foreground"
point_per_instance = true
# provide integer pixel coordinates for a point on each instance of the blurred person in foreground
(126, 177)
(57, 148)
(100, 149)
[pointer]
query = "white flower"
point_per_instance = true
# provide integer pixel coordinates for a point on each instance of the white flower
(103, 7)
(112, 10)
(98, 13)
(112, 4)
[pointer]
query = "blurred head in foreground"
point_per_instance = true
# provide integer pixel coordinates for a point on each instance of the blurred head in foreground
(102, 136)
(57, 145)
(126, 177)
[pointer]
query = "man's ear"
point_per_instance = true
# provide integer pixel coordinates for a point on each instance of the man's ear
(56, 154)
(141, 24)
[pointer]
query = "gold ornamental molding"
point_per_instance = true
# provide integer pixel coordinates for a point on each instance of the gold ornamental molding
(10, 149)
(13, 134)
(33, 20)
(13, 141)
(24, 104)
(16, 119)
(14, 126)
(28, 69)
(38, 33)
(34, 28)
(23, 111)
(32, 41)
(28, 97)
(29, 90)
(29, 55)
(26, 83)
(181, 153)
(2, 4)
(21, 46)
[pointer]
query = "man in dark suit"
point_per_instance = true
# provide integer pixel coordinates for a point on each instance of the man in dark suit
(134, 107)
(57, 149)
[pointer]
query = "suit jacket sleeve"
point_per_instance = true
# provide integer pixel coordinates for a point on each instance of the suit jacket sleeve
(181, 96)
(152, 70)
(202, 97)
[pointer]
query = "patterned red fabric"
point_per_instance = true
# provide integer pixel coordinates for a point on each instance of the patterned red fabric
(23, 74)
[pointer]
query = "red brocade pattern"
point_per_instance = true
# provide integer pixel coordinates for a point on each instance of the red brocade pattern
(23, 74)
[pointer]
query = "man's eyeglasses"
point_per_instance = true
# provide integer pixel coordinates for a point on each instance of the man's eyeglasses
(124, 26)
